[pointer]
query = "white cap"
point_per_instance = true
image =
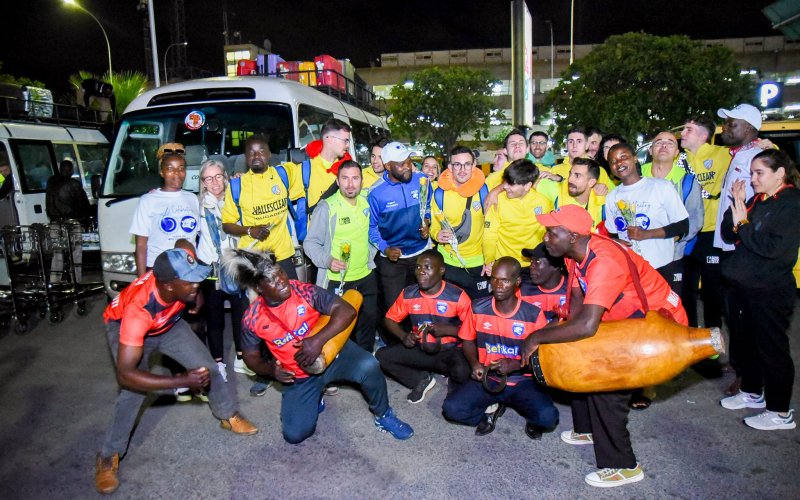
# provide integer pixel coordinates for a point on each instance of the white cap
(395, 151)
(745, 112)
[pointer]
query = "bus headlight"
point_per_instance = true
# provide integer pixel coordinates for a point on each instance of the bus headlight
(119, 263)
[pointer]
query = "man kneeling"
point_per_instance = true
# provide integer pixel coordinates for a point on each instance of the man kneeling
(493, 341)
(282, 315)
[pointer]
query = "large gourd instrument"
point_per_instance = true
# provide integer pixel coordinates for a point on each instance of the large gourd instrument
(332, 347)
(625, 354)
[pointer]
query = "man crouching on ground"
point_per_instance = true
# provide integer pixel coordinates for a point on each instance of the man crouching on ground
(144, 318)
(282, 315)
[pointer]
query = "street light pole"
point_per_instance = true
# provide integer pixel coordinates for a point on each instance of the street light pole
(571, 32)
(179, 44)
(75, 4)
(552, 50)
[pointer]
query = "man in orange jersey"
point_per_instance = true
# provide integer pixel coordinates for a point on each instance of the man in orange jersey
(500, 324)
(603, 268)
(144, 318)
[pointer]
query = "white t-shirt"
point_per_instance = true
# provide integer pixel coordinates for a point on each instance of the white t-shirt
(657, 205)
(165, 217)
(739, 169)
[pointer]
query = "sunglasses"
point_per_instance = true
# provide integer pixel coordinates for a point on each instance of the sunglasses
(175, 151)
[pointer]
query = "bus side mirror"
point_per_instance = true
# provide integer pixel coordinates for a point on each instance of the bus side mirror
(97, 182)
(296, 155)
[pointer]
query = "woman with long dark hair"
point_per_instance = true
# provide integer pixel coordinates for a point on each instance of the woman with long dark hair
(762, 288)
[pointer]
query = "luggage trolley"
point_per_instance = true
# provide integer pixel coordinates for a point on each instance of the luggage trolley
(43, 271)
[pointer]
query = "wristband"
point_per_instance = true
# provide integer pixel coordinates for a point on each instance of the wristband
(248, 231)
(739, 225)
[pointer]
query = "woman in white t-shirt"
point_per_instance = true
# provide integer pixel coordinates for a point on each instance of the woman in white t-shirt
(167, 214)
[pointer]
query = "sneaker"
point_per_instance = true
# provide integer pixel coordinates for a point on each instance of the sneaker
(259, 388)
(393, 425)
(489, 420)
(609, 478)
(572, 437)
(238, 425)
(223, 370)
(203, 396)
(421, 389)
(743, 400)
(240, 367)
(771, 421)
(105, 474)
(331, 390)
(183, 395)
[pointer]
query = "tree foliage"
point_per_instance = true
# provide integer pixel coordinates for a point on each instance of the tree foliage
(641, 84)
(441, 105)
(19, 80)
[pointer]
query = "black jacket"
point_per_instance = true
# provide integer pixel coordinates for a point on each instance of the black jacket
(766, 248)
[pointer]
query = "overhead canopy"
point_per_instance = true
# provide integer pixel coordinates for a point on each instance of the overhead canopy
(785, 16)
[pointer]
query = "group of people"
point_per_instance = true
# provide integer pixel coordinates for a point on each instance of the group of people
(461, 273)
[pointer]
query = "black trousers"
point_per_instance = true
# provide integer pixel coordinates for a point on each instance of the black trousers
(605, 416)
(760, 343)
(214, 315)
(703, 264)
(469, 279)
(392, 278)
(408, 365)
(673, 273)
(288, 266)
(364, 332)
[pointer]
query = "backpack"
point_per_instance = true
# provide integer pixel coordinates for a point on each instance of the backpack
(438, 196)
(686, 188)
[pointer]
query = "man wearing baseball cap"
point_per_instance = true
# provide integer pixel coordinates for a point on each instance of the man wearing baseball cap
(740, 133)
(395, 226)
(145, 318)
(603, 269)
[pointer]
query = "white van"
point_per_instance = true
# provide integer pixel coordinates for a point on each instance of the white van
(212, 118)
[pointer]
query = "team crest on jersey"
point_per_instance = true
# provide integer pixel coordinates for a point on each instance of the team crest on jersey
(517, 329)
(708, 164)
(301, 310)
(476, 205)
(562, 300)
(415, 194)
(276, 189)
(441, 307)
(366, 212)
(537, 210)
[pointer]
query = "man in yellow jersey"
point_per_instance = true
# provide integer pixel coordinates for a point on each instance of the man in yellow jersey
(376, 168)
(578, 189)
(511, 224)
(515, 147)
(539, 152)
(335, 136)
(338, 244)
(261, 216)
(593, 138)
(457, 205)
(577, 146)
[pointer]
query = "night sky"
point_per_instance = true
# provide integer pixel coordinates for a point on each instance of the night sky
(49, 41)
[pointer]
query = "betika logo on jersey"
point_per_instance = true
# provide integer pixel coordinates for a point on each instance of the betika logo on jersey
(441, 307)
(501, 349)
(517, 329)
(299, 334)
(301, 310)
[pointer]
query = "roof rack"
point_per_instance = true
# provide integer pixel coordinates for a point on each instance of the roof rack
(354, 91)
(50, 113)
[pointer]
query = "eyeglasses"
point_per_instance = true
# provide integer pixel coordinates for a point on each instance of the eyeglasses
(345, 141)
(462, 166)
(175, 151)
(538, 143)
(210, 178)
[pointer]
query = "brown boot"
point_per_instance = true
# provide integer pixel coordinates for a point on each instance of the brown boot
(238, 425)
(105, 474)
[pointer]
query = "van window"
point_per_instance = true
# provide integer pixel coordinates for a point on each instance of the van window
(35, 163)
(93, 160)
(214, 131)
(361, 140)
(67, 152)
(310, 121)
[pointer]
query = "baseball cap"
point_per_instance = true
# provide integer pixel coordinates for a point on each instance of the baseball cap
(573, 217)
(395, 151)
(177, 263)
(540, 252)
(745, 112)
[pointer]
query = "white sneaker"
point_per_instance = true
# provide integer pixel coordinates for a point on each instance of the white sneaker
(771, 421)
(223, 370)
(743, 400)
(492, 408)
(572, 437)
(183, 394)
(609, 478)
(240, 367)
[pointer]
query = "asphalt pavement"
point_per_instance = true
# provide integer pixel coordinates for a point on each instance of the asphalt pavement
(57, 389)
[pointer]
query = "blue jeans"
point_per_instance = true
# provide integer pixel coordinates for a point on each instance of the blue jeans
(181, 344)
(467, 404)
(300, 401)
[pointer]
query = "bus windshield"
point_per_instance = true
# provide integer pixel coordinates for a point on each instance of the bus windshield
(207, 131)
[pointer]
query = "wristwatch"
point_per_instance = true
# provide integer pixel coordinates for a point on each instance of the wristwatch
(739, 225)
